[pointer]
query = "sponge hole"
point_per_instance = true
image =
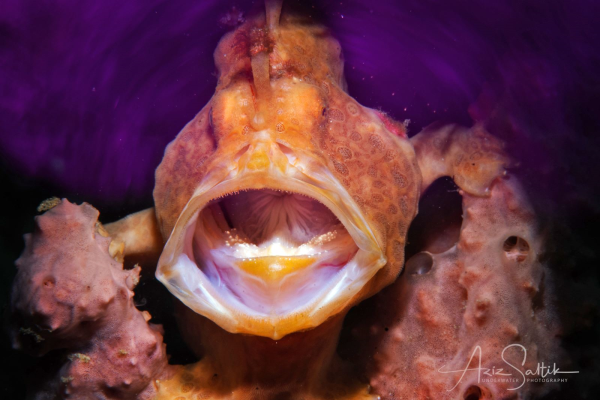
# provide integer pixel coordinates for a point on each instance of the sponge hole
(419, 264)
(437, 226)
(516, 248)
(473, 393)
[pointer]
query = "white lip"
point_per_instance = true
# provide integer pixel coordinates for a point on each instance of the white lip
(187, 282)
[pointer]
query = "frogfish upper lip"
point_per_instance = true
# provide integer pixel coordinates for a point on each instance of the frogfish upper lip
(255, 262)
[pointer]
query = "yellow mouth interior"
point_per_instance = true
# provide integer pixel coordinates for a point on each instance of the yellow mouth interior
(273, 268)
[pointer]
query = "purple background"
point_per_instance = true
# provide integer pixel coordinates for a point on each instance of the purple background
(93, 91)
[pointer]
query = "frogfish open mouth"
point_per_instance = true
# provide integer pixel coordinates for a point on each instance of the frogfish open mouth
(270, 243)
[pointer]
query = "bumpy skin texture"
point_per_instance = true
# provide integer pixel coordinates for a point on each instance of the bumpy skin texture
(483, 292)
(311, 113)
(71, 295)
(472, 157)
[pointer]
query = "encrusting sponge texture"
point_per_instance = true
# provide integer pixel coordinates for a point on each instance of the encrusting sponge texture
(465, 306)
(71, 294)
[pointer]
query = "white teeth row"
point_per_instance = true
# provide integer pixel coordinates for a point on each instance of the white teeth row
(274, 247)
(322, 239)
(249, 190)
(234, 239)
(288, 258)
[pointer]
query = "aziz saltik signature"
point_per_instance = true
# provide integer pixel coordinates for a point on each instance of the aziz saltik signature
(541, 370)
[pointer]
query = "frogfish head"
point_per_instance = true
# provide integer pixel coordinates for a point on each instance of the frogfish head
(284, 201)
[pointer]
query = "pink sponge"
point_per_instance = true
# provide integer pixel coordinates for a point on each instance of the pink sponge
(71, 294)
(461, 308)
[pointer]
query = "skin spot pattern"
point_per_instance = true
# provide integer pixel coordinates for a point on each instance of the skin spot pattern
(358, 200)
(345, 152)
(352, 109)
(389, 155)
(377, 198)
(382, 219)
(399, 178)
(336, 114)
(398, 249)
(404, 206)
(385, 179)
(372, 171)
(339, 167)
(376, 142)
(187, 387)
(356, 136)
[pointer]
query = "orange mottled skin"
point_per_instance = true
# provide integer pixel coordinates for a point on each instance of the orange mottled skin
(377, 168)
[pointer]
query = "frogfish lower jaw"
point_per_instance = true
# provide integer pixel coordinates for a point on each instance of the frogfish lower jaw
(269, 244)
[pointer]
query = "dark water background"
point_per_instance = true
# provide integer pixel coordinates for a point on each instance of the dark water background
(92, 91)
